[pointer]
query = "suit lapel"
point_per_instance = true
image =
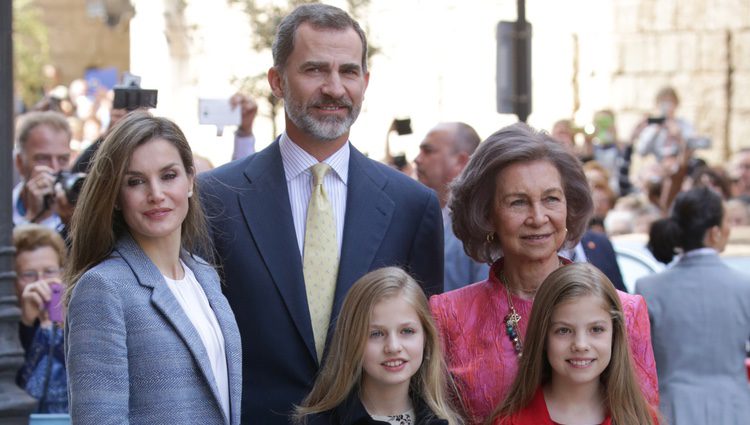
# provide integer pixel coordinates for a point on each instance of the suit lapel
(209, 281)
(164, 301)
(266, 210)
(368, 214)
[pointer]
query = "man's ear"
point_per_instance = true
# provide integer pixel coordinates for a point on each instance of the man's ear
(275, 81)
(462, 158)
(713, 235)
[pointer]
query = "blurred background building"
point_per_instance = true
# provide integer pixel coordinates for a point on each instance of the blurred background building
(435, 61)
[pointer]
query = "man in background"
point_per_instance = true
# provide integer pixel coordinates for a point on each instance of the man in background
(43, 151)
(443, 154)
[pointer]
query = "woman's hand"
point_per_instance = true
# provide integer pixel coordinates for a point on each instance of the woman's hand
(33, 299)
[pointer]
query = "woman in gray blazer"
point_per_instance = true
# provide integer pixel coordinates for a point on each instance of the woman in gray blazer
(149, 336)
(700, 316)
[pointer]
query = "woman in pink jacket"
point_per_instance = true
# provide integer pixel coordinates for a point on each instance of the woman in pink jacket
(520, 199)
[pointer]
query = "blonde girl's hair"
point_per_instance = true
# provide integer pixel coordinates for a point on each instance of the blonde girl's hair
(342, 369)
(97, 224)
(622, 394)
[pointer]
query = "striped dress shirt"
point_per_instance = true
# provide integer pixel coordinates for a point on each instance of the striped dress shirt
(297, 165)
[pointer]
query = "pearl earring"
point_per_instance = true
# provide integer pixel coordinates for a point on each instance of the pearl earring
(190, 193)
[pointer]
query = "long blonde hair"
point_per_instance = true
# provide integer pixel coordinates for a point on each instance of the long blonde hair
(622, 395)
(96, 224)
(342, 369)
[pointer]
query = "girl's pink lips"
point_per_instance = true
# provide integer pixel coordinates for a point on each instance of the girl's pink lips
(394, 365)
(580, 363)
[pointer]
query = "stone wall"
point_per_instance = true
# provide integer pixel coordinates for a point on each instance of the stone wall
(78, 41)
(702, 49)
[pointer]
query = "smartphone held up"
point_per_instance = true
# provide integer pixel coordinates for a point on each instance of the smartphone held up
(218, 112)
(54, 305)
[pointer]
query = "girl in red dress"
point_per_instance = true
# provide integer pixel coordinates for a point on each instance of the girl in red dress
(576, 367)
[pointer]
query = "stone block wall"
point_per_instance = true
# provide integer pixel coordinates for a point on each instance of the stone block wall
(78, 41)
(702, 49)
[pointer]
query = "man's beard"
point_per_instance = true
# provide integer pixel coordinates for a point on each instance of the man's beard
(326, 128)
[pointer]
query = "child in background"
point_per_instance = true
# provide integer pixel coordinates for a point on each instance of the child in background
(384, 365)
(576, 367)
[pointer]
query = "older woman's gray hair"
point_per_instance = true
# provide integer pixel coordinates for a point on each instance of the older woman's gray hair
(473, 192)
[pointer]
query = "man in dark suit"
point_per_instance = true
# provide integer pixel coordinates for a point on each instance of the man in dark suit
(261, 208)
(598, 250)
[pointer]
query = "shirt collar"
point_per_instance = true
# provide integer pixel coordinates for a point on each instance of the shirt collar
(297, 161)
(700, 251)
(19, 207)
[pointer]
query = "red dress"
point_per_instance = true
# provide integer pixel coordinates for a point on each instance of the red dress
(535, 413)
(481, 358)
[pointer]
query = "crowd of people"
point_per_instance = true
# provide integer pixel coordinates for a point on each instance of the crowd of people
(309, 284)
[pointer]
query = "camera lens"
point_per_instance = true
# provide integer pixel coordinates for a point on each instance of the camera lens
(71, 184)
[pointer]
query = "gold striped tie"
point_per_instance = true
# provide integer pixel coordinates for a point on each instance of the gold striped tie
(320, 258)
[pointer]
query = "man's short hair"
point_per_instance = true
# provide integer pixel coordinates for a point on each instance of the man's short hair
(30, 121)
(319, 16)
(467, 138)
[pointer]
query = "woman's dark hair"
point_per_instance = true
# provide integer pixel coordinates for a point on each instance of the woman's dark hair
(96, 224)
(693, 213)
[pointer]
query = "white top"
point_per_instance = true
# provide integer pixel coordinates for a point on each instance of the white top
(194, 303)
(654, 139)
(297, 165)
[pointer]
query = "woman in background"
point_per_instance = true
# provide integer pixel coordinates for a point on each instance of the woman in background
(700, 315)
(40, 255)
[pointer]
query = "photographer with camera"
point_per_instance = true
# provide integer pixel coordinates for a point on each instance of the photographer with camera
(664, 134)
(40, 253)
(42, 159)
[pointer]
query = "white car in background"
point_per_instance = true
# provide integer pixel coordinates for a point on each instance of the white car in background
(636, 261)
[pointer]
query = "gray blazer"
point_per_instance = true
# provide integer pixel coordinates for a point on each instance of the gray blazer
(132, 354)
(700, 320)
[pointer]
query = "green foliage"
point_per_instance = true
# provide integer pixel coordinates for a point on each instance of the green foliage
(30, 50)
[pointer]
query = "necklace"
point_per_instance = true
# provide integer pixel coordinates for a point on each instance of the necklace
(512, 319)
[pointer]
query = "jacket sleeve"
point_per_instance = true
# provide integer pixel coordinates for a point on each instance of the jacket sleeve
(639, 336)
(96, 353)
(426, 262)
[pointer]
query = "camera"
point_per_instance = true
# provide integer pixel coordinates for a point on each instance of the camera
(71, 184)
(132, 98)
(403, 126)
(656, 120)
